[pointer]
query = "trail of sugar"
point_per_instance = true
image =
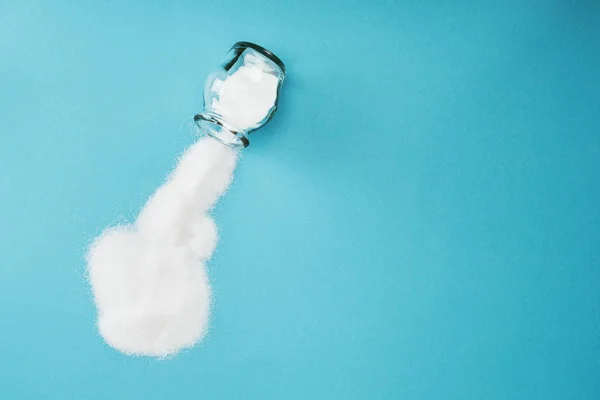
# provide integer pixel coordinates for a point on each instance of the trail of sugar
(148, 278)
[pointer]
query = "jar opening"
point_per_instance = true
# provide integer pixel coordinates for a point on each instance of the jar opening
(214, 127)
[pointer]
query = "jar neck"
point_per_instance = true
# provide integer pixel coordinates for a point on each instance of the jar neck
(216, 127)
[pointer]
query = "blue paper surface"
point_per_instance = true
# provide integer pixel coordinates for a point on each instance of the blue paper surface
(419, 221)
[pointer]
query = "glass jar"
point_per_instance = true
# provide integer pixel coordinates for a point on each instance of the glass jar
(241, 96)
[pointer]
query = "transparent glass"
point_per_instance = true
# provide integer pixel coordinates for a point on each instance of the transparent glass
(241, 96)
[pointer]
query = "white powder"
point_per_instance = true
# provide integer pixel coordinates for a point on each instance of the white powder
(148, 278)
(247, 96)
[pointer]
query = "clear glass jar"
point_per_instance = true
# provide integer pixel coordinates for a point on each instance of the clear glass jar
(241, 96)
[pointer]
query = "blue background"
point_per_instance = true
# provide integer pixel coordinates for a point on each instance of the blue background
(420, 220)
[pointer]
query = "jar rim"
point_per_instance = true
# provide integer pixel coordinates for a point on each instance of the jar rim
(263, 51)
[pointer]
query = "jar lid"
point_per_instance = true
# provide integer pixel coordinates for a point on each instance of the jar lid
(262, 51)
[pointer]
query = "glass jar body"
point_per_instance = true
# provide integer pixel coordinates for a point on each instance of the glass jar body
(241, 96)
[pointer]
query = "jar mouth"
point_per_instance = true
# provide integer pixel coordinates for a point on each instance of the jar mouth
(212, 125)
(267, 53)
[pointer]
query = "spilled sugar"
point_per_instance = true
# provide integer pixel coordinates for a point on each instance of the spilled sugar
(148, 279)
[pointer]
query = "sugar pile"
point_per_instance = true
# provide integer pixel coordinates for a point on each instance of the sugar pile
(148, 279)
